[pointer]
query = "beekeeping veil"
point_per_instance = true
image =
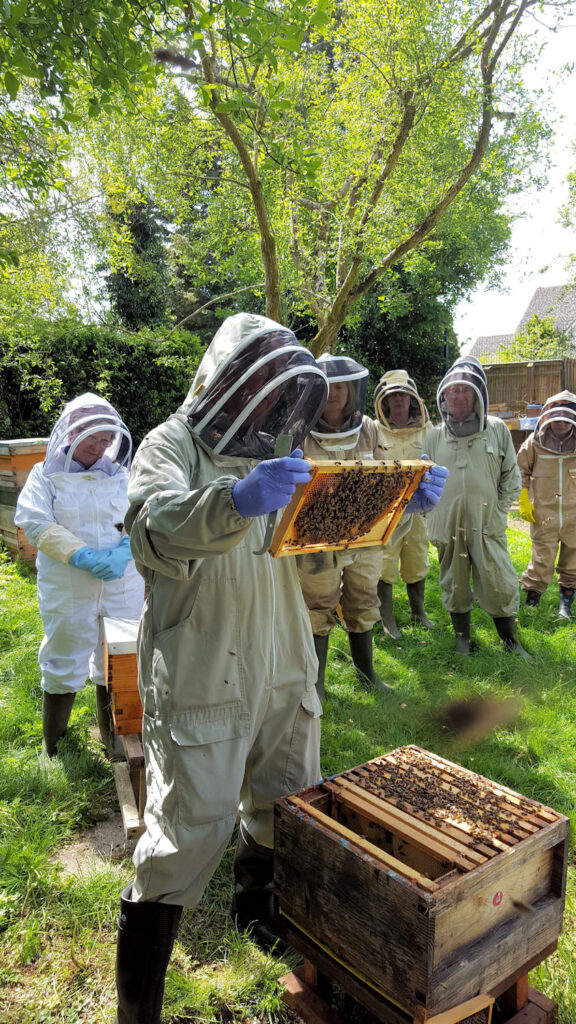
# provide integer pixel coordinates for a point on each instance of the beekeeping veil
(560, 408)
(80, 419)
(398, 382)
(340, 369)
(255, 381)
(466, 370)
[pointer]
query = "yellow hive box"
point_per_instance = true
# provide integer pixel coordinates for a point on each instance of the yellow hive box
(347, 504)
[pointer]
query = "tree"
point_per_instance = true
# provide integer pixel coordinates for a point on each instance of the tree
(344, 133)
(539, 339)
(139, 285)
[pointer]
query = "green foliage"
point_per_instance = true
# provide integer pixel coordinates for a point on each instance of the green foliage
(57, 929)
(539, 339)
(144, 377)
(138, 288)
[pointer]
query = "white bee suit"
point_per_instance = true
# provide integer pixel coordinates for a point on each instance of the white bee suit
(61, 508)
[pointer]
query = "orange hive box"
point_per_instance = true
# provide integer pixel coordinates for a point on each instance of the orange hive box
(16, 460)
(346, 504)
(121, 672)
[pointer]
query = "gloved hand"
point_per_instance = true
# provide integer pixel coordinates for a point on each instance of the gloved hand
(429, 490)
(525, 506)
(270, 485)
(107, 565)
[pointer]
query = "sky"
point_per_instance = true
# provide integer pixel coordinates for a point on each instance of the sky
(539, 245)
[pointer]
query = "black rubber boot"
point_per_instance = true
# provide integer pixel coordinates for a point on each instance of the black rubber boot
(461, 623)
(506, 628)
(112, 743)
(565, 606)
(415, 593)
(361, 650)
(321, 648)
(387, 610)
(532, 598)
(56, 711)
(253, 901)
(146, 934)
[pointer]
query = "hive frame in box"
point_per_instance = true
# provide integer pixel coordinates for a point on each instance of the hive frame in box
(334, 492)
(412, 901)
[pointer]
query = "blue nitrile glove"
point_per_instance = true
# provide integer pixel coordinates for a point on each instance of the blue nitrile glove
(109, 564)
(270, 485)
(429, 490)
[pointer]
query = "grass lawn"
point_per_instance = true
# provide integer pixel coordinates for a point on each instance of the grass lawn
(57, 931)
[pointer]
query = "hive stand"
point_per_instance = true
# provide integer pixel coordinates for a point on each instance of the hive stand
(121, 673)
(307, 992)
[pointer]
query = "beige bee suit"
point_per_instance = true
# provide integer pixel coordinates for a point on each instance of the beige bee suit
(468, 526)
(409, 550)
(550, 476)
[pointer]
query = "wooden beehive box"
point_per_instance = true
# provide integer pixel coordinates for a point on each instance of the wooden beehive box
(121, 672)
(429, 884)
(16, 460)
(346, 504)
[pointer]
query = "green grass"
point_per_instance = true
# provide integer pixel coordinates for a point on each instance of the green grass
(57, 931)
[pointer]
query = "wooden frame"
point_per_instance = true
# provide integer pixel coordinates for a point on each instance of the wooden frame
(326, 513)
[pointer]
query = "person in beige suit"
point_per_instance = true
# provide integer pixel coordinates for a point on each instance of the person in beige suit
(547, 462)
(403, 421)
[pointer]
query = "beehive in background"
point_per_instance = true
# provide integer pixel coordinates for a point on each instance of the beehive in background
(121, 674)
(16, 460)
(346, 504)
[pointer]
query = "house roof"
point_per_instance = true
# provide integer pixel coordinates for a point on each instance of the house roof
(488, 345)
(558, 301)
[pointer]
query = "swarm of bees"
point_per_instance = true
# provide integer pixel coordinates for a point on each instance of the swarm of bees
(347, 505)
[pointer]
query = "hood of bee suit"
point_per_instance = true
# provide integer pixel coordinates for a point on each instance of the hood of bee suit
(394, 382)
(466, 370)
(255, 381)
(343, 369)
(81, 419)
(560, 408)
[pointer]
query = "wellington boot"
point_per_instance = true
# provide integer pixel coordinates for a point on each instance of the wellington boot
(253, 900)
(461, 624)
(415, 593)
(506, 628)
(361, 650)
(387, 610)
(112, 743)
(321, 648)
(56, 711)
(146, 934)
(565, 605)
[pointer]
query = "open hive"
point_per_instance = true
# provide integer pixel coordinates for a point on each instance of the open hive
(346, 504)
(426, 884)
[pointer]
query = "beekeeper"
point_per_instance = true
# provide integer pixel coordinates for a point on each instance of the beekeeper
(469, 530)
(349, 578)
(403, 422)
(72, 509)
(227, 668)
(547, 461)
